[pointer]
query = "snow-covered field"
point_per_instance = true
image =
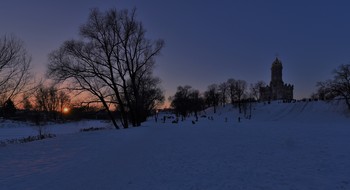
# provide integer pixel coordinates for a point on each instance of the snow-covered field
(303, 145)
(15, 130)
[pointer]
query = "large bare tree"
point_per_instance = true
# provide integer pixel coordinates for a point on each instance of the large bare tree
(111, 61)
(14, 67)
(338, 87)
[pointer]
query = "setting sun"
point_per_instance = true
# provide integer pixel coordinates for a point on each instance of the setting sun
(65, 110)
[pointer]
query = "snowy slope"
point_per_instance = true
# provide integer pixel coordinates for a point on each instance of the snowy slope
(308, 148)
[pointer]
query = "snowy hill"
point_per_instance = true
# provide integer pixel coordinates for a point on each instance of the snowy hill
(302, 111)
(303, 145)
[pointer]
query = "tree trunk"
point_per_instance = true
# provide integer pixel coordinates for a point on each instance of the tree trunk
(110, 113)
(347, 101)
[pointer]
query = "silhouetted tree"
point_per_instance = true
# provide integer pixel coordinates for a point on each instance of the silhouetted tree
(187, 100)
(150, 96)
(181, 101)
(241, 87)
(196, 102)
(231, 83)
(14, 68)
(63, 101)
(46, 99)
(255, 89)
(27, 105)
(339, 86)
(110, 62)
(50, 101)
(237, 90)
(212, 96)
(223, 91)
(9, 109)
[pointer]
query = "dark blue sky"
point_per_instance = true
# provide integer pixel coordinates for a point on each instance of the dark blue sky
(206, 41)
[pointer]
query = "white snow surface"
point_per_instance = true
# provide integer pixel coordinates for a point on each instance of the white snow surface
(304, 145)
(16, 130)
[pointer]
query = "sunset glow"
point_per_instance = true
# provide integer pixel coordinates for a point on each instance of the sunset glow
(65, 110)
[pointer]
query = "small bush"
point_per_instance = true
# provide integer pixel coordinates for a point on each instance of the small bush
(92, 129)
(26, 139)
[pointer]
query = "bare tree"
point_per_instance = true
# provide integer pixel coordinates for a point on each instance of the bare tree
(237, 90)
(255, 89)
(27, 104)
(241, 87)
(14, 68)
(150, 97)
(196, 102)
(212, 96)
(111, 62)
(50, 100)
(338, 87)
(231, 89)
(47, 100)
(223, 90)
(63, 100)
(185, 100)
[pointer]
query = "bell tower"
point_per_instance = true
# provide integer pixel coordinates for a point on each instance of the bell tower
(276, 73)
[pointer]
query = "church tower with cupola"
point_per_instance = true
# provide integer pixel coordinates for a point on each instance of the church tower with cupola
(276, 73)
(277, 90)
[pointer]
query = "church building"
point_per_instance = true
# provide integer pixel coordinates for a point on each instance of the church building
(277, 90)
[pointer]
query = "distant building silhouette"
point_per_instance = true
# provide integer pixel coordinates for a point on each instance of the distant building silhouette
(277, 90)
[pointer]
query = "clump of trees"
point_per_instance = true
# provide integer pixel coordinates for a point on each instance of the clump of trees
(337, 87)
(113, 61)
(186, 101)
(16, 80)
(50, 101)
(235, 92)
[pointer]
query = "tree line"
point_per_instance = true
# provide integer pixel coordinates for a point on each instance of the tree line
(236, 92)
(188, 100)
(112, 63)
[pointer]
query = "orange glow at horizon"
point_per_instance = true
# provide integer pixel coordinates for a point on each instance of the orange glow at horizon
(65, 110)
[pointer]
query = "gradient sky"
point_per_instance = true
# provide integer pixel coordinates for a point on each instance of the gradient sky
(206, 41)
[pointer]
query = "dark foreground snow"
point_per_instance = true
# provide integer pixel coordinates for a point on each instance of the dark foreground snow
(283, 147)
